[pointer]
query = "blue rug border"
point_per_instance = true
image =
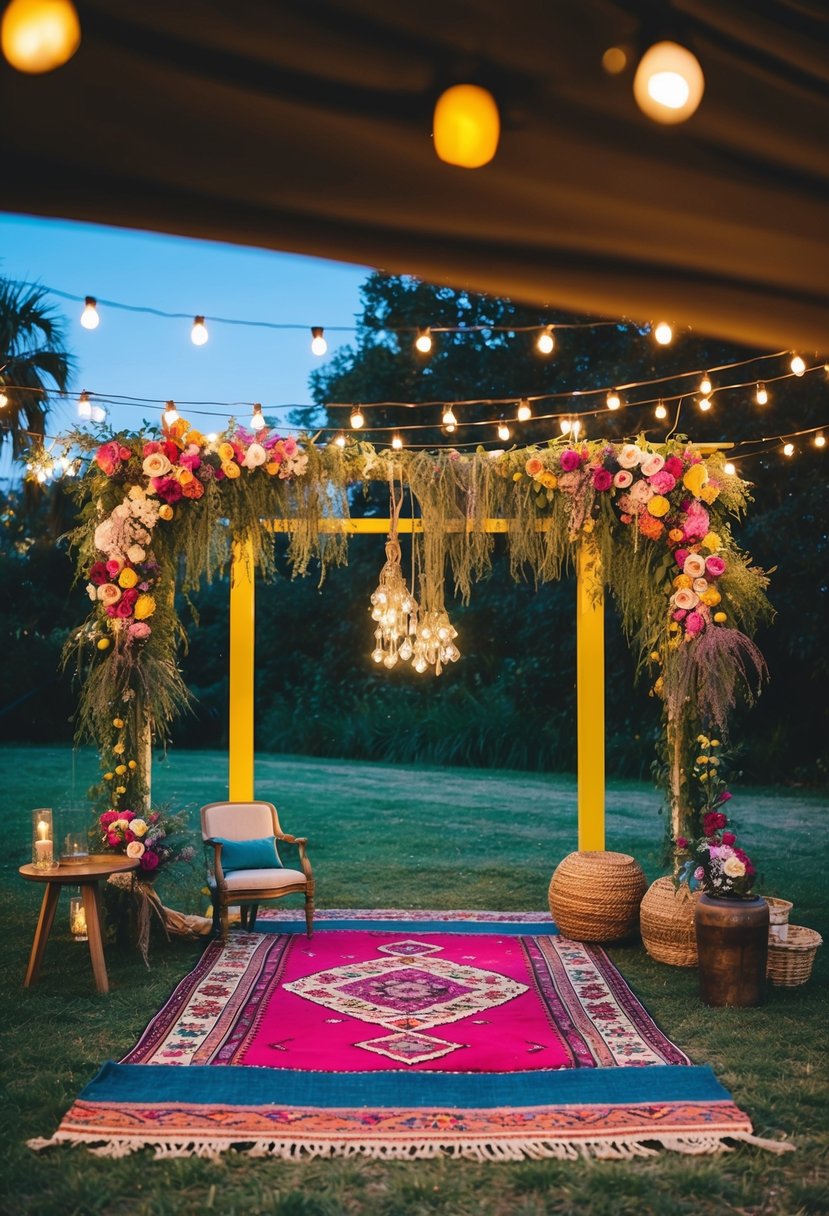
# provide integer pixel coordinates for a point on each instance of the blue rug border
(243, 1085)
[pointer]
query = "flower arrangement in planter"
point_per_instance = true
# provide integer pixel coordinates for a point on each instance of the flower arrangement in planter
(153, 839)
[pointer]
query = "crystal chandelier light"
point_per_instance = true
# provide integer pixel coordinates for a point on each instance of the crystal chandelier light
(394, 609)
(434, 642)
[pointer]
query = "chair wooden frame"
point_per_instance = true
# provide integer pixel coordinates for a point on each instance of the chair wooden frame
(249, 899)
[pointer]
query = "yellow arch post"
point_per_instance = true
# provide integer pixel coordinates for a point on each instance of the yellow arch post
(590, 696)
(242, 639)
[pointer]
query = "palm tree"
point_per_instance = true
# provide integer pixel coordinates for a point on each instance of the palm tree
(33, 363)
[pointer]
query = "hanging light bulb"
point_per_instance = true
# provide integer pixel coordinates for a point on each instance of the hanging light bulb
(423, 341)
(761, 396)
(660, 412)
(613, 400)
(576, 428)
(98, 413)
(545, 341)
(449, 418)
(89, 316)
(84, 406)
(4, 400)
(503, 431)
(171, 414)
(797, 365)
(663, 333)
(340, 440)
(524, 413)
(211, 436)
(705, 385)
(565, 425)
(257, 422)
(396, 443)
(198, 334)
(669, 82)
(434, 642)
(820, 440)
(318, 343)
(40, 35)
(704, 404)
(466, 126)
(788, 449)
(357, 418)
(730, 468)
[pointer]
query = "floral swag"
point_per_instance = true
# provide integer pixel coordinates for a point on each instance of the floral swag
(162, 511)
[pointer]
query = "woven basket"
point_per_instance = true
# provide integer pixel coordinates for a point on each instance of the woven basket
(779, 910)
(790, 962)
(595, 897)
(666, 920)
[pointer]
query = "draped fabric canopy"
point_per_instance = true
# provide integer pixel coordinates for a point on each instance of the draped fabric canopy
(307, 128)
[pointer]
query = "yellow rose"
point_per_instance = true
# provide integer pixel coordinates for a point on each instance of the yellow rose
(144, 607)
(676, 535)
(165, 512)
(711, 597)
(548, 479)
(226, 452)
(120, 825)
(273, 468)
(103, 643)
(231, 470)
(720, 617)
(120, 769)
(658, 506)
(118, 723)
(695, 478)
(133, 764)
(139, 827)
(711, 541)
(195, 437)
(184, 476)
(709, 493)
(683, 580)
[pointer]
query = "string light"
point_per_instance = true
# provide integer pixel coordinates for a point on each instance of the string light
(396, 443)
(503, 431)
(663, 333)
(820, 440)
(211, 436)
(797, 365)
(198, 334)
(761, 396)
(4, 400)
(730, 468)
(340, 440)
(704, 404)
(84, 406)
(669, 82)
(613, 400)
(660, 412)
(576, 428)
(423, 341)
(357, 418)
(98, 413)
(565, 425)
(705, 385)
(434, 642)
(466, 126)
(257, 422)
(171, 414)
(89, 316)
(545, 341)
(524, 413)
(319, 346)
(788, 449)
(40, 35)
(449, 418)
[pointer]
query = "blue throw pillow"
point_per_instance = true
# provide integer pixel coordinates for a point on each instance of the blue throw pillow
(249, 854)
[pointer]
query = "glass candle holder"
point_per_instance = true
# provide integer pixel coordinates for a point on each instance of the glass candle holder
(77, 919)
(75, 850)
(43, 839)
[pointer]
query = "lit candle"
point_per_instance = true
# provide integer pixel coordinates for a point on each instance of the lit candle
(43, 844)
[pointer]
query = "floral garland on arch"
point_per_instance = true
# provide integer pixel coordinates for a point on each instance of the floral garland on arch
(161, 511)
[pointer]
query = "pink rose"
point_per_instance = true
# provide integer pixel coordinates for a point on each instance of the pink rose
(725, 796)
(290, 447)
(107, 818)
(114, 566)
(694, 623)
(139, 630)
(123, 609)
(113, 840)
(602, 480)
(108, 457)
(679, 556)
(679, 614)
(714, 565)
(622, 479)
(128, 815)
(699, 873)
(150, 447)
(569, 460)
(663, 481)
(673, 465)
(696, 523)
(167, 488)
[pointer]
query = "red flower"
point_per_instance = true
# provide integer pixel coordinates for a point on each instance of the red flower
(713, 822)
(123, 609)
(171, 450)
(681, 842)
(108, 457)
(602, 480)
(728, 837)
(113, 840)
(673, 465)
(151, 447)
(107, 818)
(149, 860)
(98, 574)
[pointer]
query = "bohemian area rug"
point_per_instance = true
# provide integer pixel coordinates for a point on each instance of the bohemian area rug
(404, 1035)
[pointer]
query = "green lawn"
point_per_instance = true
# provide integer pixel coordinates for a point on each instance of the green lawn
(383, 836)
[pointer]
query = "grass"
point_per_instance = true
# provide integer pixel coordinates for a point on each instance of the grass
(384, 836)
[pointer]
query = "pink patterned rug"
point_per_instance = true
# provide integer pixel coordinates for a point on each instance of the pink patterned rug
(356, 1001)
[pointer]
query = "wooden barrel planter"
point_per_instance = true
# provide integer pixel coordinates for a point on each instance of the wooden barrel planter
(666, 922)
(732, 944)
(595, 896)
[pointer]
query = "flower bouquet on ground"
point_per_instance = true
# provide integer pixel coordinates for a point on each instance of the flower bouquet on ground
(713, 862)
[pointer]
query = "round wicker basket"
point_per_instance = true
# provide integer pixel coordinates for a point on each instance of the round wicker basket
(666, 921)
(595, 896)
(790, 962)
(779, 910)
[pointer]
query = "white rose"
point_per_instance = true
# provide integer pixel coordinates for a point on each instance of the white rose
(694, 565)
(135, 553)
(629, 456)
(135, 848)
(156, 465)
(686, 598)
(652, 463)
(139, 827)
(108, 593)
(734, 868)
(700, 585)
(254, 456)
(622, 479)
(92, 591)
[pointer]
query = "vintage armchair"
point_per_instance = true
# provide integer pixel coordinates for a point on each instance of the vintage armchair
(247, 868)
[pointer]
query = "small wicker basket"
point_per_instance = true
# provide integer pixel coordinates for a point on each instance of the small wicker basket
(790, 962)
(595, 896)
(779, 910)
(666, 921)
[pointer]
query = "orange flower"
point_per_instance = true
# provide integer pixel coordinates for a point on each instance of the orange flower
(184, 477)
(676, 535)
(192, 489)
(548, 480)
(533, 466)
(650, 527)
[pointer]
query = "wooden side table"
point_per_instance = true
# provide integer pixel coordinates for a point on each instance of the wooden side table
(86, 876)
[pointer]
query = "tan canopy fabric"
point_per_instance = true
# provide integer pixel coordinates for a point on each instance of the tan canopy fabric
(306, 127)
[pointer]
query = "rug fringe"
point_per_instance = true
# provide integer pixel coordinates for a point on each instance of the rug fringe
(601, 1149)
